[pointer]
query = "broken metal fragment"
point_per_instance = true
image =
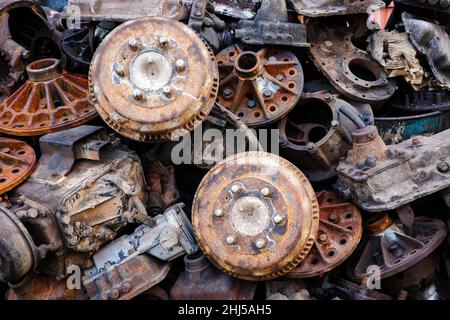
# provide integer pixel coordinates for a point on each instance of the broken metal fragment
(17, 162)
(317, 133)
(51, 100)
(255, 216)
(259, 87)
(202, 281)
(340, 230)
(393, 248)
(153, 79)
(379, 177)
(271, 26)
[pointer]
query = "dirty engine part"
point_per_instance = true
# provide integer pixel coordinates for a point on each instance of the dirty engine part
(320, 8)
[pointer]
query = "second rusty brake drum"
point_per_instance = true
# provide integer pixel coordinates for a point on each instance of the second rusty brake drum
(153, 79)
(255, 215)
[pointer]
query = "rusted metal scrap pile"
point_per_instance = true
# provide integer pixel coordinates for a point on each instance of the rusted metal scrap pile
(117, 179)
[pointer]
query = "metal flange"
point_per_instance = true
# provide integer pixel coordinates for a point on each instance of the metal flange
(259, 87)
(17, 163)
(255, 215)
(51, 100)
(340, 230)
(153, 79)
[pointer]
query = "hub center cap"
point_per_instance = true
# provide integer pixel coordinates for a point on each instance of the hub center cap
(151, 71)
(250, 215)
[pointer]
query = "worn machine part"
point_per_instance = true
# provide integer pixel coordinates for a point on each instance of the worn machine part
(162, 187)
(259, 87)
(271, 26)
(51, 100)
(126, 280)
(117, 10)
(17, 162)
(340, 230)
(346, 290)
(421, 101)
(433, 41)
(394, 249)
(18, 253)
(201, 281)
(14, 56)
(242, 9)
(432, 5)
(394, 130)
(379, 177)
(317, 133)
(352, 71)
(320, 8)
(86, 188)
(153, 79)
(255, 216)
(286, 289)
(40, 287)
(166, 237)
(415, 279)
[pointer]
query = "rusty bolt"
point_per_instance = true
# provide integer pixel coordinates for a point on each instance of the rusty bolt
(260, 243)
(277, 219)
(218, 212)
(266, 192)
(236, 188)
(228, 92)
(137, 94)
(333, 218)
(279, 77)
(422, 174)
(180, 65)
(335, 124)
(251, 103)
(371, 162)
(323, 238)
(443, 167)
(311, 146)
(230, 240)
(328, 46)
(125, 287)
(267, 93)
(163, 41)
(133, 44)
(167, 91)
(328, 97)
(119, 70)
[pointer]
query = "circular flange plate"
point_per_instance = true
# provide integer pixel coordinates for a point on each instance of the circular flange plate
(255, 215)
(340, 231)
(51, 100)
(17, 162)
(260, 87)
(153, 79)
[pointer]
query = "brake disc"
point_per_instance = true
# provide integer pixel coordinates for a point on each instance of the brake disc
(260, 87)
(255, 215)
(340, 230)
(153, 79)
(17, 162)
(51, 100)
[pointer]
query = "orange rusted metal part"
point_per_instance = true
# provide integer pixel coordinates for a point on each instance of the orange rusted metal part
(260, 87)
(340, 231)
(255, 215)
(51, 100)
(41, 287)
(17, 162)
(153, 79)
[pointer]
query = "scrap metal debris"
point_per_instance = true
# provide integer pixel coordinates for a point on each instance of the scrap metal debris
(244, 150)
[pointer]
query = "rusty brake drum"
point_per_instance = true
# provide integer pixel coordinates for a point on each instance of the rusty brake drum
(153, 79)
(255, 216)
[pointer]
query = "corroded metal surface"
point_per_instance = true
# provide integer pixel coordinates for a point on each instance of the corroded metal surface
(51, 100)
(318, 8)
(432, 5)
(340, 230)
(153, 79)
(379, 177)
(242, 9)
(393, 249)
(255, 216)
(317, 133)
(350, 70)
(201, 281)
(17, 162)
(260, 87)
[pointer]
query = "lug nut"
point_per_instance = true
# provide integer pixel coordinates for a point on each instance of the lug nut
(133, 44)
(137, 94)
(180, 65)
(119, 70)
(260, 243)
(167, 91)
(163, 41)
(228, 93)
(236, 188)
(335, 124)
(266, 192)
(267, 93)
(251, 103)
(279, 77)
(218, 212)
(323, 238)
(231, 240)
(278, 219)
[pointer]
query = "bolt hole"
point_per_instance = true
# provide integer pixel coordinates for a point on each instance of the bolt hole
(21, 152)
(2, 180)
(330, 253)
(291, 85)
(343, 241)
(348, 215)
(272, 108)
(292, 72)
(284, 98)
(314, 261)
(257, 114)
(349, 228)
(15, 170)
